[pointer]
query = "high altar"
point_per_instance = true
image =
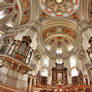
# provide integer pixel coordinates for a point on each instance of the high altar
(59, 75)
(60, 82)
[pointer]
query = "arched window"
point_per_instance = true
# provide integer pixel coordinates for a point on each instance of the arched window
(10, 24)
(74, 72)
(59, 51)
(48, 47)
(44, 72)
(70, 47)
(0, 36)
(72, 61)
(2, 14)
(45, 61)
(59, 61)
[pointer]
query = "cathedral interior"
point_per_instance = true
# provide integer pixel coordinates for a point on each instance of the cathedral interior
(45, 45)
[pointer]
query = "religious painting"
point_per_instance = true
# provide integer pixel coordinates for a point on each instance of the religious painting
(59, 76)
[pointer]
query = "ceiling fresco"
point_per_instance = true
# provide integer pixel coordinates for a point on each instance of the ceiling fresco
(59, 8)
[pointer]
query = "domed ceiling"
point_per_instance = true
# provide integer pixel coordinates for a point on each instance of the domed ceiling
(15, 12)
(59, 7)
(57, 22)
(59, 37)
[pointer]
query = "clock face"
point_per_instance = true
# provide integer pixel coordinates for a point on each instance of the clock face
(63, 8)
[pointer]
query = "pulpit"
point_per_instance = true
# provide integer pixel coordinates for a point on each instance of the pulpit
(59, 75)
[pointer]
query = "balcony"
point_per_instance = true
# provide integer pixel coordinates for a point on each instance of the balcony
(15, 64)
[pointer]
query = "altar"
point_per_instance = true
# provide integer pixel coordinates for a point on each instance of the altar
(59, 82)
(59, 75)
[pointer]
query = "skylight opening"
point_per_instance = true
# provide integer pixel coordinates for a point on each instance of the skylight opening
(48, 47)
(70, 47)
(59, 61)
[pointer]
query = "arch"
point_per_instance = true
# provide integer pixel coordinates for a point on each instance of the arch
(72, 61)
(44, 72)
(45, 61)
(74, 72)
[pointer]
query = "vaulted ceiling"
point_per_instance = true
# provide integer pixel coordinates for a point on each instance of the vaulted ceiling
(58, 24)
